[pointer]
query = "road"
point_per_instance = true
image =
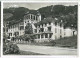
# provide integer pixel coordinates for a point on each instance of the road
(48, 50)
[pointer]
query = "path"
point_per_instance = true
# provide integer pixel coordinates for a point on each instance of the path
(48, 50)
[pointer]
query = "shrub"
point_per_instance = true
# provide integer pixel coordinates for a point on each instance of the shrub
(26, 37)
(53, 42)
(10, 48)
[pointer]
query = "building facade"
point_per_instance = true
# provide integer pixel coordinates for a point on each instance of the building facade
(45, 30)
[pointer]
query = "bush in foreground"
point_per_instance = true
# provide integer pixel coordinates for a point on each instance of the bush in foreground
(10, 48)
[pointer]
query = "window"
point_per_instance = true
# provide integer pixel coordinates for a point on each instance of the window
(26, 16)
(55, 30)
(60, 36)
(25, 21)
(73, 32)
(21, 27)
(10, 34)
(45, 24)
(42, 29)
(38, 36)
(55, 23)
(64, 33)
(46, 35)
(7, 30)
(4, 29)
(35, 30)
(41, 35)
(28, 21)
(15, 25)
(42, 25)
(50, 35)
(60, 31)
(11, 26)
(21, 23)
(31, 16)
(34, 17)
(55, 37)
(49, 28)
(16, 33)
(49, 23)
(39, 30)
(39, 26)
(60, 24)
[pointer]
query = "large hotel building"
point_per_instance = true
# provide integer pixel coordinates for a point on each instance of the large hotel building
(44, 29)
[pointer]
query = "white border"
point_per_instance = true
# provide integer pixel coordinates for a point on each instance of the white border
(1, 28)
(78, 29)
(42, 56)
(39, 0)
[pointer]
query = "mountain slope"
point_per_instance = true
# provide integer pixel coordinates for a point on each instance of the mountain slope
(68, 13)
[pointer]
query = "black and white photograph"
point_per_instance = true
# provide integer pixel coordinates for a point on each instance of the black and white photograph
(40, 28)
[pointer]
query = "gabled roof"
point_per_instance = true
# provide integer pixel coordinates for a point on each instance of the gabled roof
(48, 20)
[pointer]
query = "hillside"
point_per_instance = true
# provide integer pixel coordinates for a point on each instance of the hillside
(67, 13)
(6, 16)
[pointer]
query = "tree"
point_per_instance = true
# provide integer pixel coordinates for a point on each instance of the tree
(70, 19)
(28, 37)
(57, 9)
(28, 29)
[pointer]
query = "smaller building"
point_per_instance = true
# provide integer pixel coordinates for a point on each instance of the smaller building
(70, 32)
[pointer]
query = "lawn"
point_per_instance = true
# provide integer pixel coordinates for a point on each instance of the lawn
(67, 42)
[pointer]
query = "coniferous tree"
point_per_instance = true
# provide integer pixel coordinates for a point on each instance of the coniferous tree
(28, 29)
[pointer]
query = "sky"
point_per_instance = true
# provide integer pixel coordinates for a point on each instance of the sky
(34, 6)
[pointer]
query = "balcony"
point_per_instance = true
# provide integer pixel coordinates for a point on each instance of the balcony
(49, 32)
